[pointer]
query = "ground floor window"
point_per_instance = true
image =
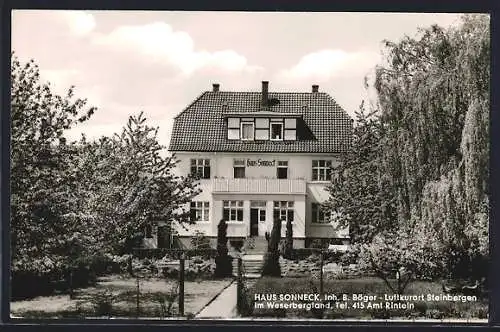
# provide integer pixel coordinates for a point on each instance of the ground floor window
(199, 211)
(232, 210)
(284, 210)
(319, 216)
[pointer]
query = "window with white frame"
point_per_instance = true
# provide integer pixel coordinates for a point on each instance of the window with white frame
(319, 216)
(261, 128)
(321, 170)
(277, 131)
(200, 168)
(239, 168)
(199, 211)
(282, 169)
(247, 131)
(283, 210)
(233, 128)
(290, 129)
(232, 210)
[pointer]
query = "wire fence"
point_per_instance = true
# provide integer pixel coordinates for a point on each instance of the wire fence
(191, 282)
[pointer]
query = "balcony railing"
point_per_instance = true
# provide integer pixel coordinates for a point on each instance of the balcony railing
(281, 186)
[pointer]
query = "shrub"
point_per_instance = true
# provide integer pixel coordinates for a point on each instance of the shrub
(271, 260)
(168, 300)
(349, 257)
(223, 261)
(199, 241)
(288, 247)
(198, 267)
(103, 303)
(237, 244)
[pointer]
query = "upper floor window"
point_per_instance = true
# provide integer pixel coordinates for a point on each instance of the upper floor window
(321, 170)
(233, 128)
(247, 131)
(257, 128)
(232, 210)
(318, 214)
(282, 169)
(283, 210)
(261, 128)
(239, 168)
(290, 129)
(200, 168)
(276, 131)
(199, 211)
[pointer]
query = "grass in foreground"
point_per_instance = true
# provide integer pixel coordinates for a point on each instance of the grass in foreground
(116, 296)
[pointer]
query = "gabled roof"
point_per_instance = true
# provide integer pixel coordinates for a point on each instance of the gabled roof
(202, 126)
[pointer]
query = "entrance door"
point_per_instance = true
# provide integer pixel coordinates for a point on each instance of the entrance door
(254, 222)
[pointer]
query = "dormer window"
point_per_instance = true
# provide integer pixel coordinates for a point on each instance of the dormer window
(262, 128)
(290, 129)
(276, 131)
(233, 128)
(247, 131)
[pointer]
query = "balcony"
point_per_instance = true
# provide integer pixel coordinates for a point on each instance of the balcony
(259, 186)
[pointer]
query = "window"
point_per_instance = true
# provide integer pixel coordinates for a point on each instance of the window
(232, 210)
(276, 131)
(318, 215)
(199, 211)
(261, 129)
(321, 170)
(233, 128)
(283, 210)
(200, 168)
(239, 168)
(247, 131)
(290, 129)
(282, 170)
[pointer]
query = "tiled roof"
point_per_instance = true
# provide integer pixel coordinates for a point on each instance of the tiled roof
(201, 126)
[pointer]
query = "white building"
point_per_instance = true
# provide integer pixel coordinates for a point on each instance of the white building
(261, 155)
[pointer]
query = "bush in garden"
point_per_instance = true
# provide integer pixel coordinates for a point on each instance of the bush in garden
(196, 267)
(288, 246)
(103, 303)
(223, 261)
(271, 261)
(199, 241)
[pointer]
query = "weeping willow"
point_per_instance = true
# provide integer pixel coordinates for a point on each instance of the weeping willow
(434, 98)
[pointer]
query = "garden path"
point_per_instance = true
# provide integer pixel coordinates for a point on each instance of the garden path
(223, 306)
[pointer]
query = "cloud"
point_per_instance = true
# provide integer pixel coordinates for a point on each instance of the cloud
(330, 63)
(158, 41)
(81, 23)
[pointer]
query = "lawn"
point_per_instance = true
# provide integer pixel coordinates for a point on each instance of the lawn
(121, 293)
(365, 286)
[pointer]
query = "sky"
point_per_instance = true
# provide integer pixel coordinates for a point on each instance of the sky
(159, 62)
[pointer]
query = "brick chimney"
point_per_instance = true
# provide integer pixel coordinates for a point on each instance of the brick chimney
(315, 88)
(265, 93)
(215, 87)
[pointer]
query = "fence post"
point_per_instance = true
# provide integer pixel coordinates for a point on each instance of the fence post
(181, 285)
(137, 296)
(71, 292)
(321, 273)
(239, 284)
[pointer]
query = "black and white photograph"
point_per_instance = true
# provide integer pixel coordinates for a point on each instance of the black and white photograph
(249, 166)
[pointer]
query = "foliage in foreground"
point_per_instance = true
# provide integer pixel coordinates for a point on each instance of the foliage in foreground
(414, 182)
(74, 201)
